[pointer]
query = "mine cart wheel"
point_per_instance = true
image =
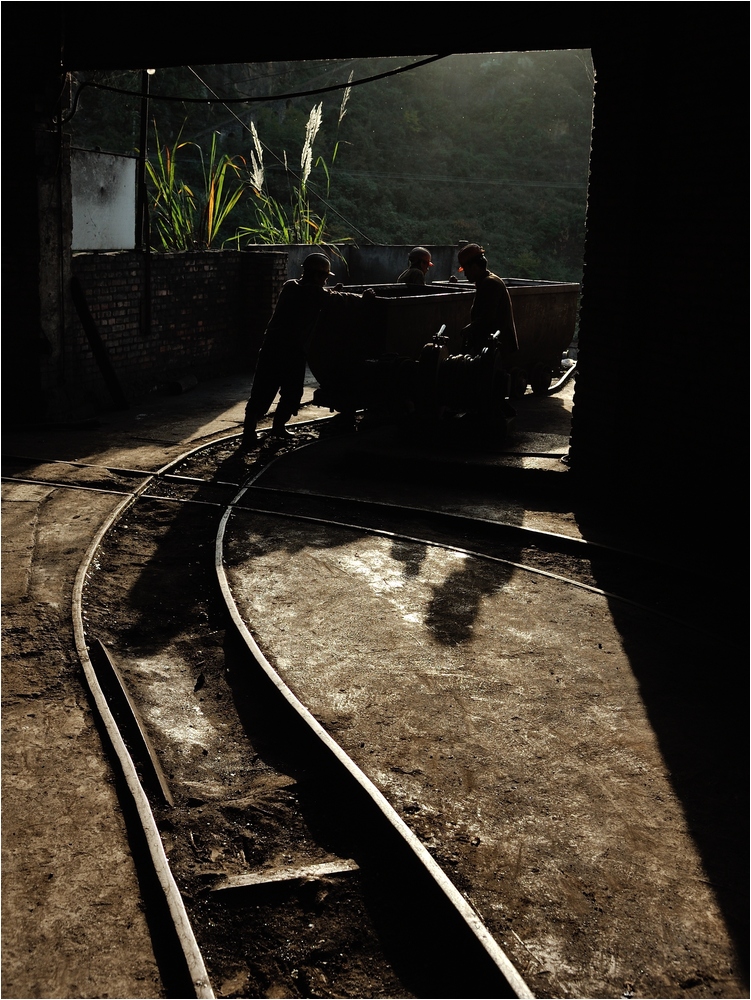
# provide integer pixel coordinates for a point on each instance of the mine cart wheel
(540, 379)
(518, 382)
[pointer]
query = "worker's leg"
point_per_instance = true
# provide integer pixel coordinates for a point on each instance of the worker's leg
(266, 381)
(290, 395)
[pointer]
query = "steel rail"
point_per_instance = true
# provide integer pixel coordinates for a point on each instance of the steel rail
(416, 511)
(565, 541)
(609, 595)
(130, 494)
(117, 692)
(193, 959)
(557, 542)
(463, 909)
(551, 541)
(191, 952)
(557, 386)
(113, 469)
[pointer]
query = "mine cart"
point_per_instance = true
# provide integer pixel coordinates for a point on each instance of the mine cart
(403, 349)
(392, 356)
(545, 312)
(406, 317)
(545, 316)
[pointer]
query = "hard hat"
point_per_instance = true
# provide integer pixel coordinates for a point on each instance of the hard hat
(468, 253)
(317, 262)
(422, 254)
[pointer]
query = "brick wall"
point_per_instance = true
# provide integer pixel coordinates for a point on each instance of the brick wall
(148, 319)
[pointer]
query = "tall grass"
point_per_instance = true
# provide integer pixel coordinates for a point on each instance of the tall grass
(173, 208)
(295, 222)
(220, 197)
(182, 218)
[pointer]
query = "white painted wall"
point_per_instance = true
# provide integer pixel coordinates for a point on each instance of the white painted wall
(104, 200)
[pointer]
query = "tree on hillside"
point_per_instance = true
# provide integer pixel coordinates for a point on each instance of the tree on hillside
(492, 148)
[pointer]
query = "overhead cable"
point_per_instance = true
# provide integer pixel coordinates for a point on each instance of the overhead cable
(215, 99)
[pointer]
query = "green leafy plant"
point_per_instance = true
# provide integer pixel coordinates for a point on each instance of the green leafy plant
(183, 219)
(219, 196)
(174, 206)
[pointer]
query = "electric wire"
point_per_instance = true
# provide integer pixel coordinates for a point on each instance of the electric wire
(247, 99)
(225, 102)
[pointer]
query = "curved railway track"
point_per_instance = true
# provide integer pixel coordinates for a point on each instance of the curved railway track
(294, 853)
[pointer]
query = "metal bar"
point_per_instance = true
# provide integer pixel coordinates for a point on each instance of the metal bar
(279, 875)
(108, 673)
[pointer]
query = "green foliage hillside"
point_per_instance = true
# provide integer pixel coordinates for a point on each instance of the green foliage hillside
(490, 148)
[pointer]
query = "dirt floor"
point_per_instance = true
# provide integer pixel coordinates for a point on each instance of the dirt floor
(555, 748)
(613, 744)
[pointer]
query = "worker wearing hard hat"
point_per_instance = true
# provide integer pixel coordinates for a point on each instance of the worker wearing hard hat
(491, 310)
(419, 261)
(282, 358)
